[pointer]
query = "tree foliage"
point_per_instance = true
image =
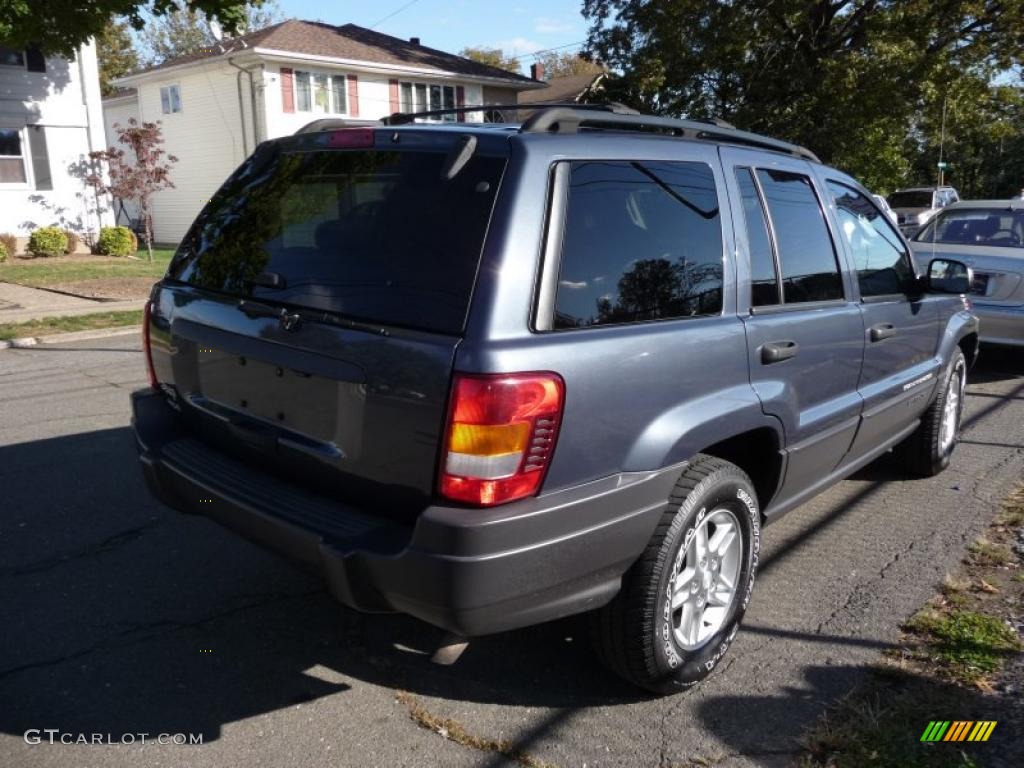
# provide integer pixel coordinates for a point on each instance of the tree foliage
(136, 174)
(493, 57)
(858, 81)
(61, 26)
(562, 64)
(187, 30)
(116, 53)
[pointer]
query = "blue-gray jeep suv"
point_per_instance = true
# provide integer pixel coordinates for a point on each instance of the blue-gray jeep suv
(490, 376)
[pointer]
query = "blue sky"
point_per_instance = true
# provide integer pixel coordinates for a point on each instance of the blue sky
(517, 26)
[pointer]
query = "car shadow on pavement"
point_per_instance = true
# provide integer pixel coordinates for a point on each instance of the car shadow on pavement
(882, 710)
(997, 364)
(123, 616)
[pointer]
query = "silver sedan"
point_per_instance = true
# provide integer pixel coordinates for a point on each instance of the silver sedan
(988, 236)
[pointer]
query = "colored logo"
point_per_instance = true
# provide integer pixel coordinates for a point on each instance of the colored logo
(958, 730)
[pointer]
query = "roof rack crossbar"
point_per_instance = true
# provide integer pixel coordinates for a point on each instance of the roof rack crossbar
(570, 119)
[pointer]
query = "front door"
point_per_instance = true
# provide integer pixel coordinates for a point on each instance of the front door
(804, 329)
(901, 327)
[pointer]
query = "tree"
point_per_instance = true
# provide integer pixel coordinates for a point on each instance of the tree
(135, 175)
(492, 57)
(61, 26)
(848, 78)
(116, 53)
(187, 30)
(562, 64)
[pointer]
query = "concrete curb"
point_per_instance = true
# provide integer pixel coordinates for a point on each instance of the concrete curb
(64, 338)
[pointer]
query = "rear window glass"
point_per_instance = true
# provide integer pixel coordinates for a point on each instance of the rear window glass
(910, 200)
(378, 236)
(642, 241)
(996, 227)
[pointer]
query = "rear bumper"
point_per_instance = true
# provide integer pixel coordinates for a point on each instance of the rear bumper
(1000, 324)
(470, 571)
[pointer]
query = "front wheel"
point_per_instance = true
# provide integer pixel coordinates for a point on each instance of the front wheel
(681, 603)
(928, 450)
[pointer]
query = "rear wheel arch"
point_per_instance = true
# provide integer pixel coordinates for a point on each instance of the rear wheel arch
(758, 452)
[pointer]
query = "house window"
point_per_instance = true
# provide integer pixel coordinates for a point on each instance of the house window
(170, 99)
(320, 93)
(12, 157)
(12, 57)
(424, 97)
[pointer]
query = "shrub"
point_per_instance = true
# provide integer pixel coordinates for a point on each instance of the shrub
(3, 253)
(116, 241)
(73, 241)
(47, 241)
(10, 243)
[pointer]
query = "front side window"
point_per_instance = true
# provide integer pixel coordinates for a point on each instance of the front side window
(12, 157)
(883, 266)
(642, 241)
(807, 257)
(12, 57)
(170, 99)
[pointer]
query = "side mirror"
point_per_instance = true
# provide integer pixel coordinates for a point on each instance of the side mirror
(948, 276)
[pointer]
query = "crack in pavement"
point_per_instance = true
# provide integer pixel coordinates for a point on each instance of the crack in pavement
(133, 632)
(105, 545)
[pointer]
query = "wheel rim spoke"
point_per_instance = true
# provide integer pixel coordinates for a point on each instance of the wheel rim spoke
(722, 538)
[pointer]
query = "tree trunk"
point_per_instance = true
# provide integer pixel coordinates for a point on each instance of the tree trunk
(147, 223)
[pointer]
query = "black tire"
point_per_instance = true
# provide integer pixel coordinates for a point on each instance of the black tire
(634, 635)
(924, 453)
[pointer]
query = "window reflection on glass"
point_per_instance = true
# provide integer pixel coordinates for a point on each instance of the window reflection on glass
(12, 161)
(339, 102)
(883, 266)
(11, 57)
(303, 95)
(321, 96)
(405, 98)
(764, 281)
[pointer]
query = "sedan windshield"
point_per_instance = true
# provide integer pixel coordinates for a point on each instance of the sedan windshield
(997, 227)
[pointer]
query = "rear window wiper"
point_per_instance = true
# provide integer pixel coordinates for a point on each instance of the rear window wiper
(291, 319)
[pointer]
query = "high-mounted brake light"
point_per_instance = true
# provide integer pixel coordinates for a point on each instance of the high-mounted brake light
(500, 436)
(351, 138)
(147, 347)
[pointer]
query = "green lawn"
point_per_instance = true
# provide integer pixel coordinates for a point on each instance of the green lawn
(42, 272)
(50, 325)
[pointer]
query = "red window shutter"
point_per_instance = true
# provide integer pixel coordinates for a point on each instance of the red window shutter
(393, 88)
(287, 90)
(353, 96)
(460, 101)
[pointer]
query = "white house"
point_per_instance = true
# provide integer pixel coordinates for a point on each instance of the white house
(216, 105)
(51, 117)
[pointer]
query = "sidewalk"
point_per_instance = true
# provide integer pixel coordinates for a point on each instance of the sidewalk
(19, 304)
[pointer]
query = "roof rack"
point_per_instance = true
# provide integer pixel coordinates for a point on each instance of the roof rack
(570, 120)
(569, 117)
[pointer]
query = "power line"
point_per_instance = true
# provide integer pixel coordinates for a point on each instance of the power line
(550, 50)
(375, 25)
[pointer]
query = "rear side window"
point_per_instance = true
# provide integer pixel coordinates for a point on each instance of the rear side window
(764, 280)
(378, 236)
(642, 241)
(807, 257)
(883, 266)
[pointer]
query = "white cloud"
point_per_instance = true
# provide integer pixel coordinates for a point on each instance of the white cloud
(548, 26)
(518, 46)
(573, 285)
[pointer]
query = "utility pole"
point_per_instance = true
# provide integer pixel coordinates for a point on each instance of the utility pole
(942, 141)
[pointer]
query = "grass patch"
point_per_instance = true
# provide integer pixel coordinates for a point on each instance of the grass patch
(969, 645)
(51, 325)
(1012, 515)
(453, 730)
(43, 272)
(985, 553)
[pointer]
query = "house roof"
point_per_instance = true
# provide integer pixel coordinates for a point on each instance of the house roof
(120, 93)
(349, 41)
(568, 88)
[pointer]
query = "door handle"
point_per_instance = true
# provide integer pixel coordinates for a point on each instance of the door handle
(882, 331)
(777, 351)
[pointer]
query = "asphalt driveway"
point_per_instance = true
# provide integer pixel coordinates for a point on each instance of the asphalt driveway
(119, 616)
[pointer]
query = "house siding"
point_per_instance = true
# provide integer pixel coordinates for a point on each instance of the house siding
(64, 103)
(206, 137)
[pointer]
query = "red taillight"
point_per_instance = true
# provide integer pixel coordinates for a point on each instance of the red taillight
(147, 348)
(500, 436)
(351, 138)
